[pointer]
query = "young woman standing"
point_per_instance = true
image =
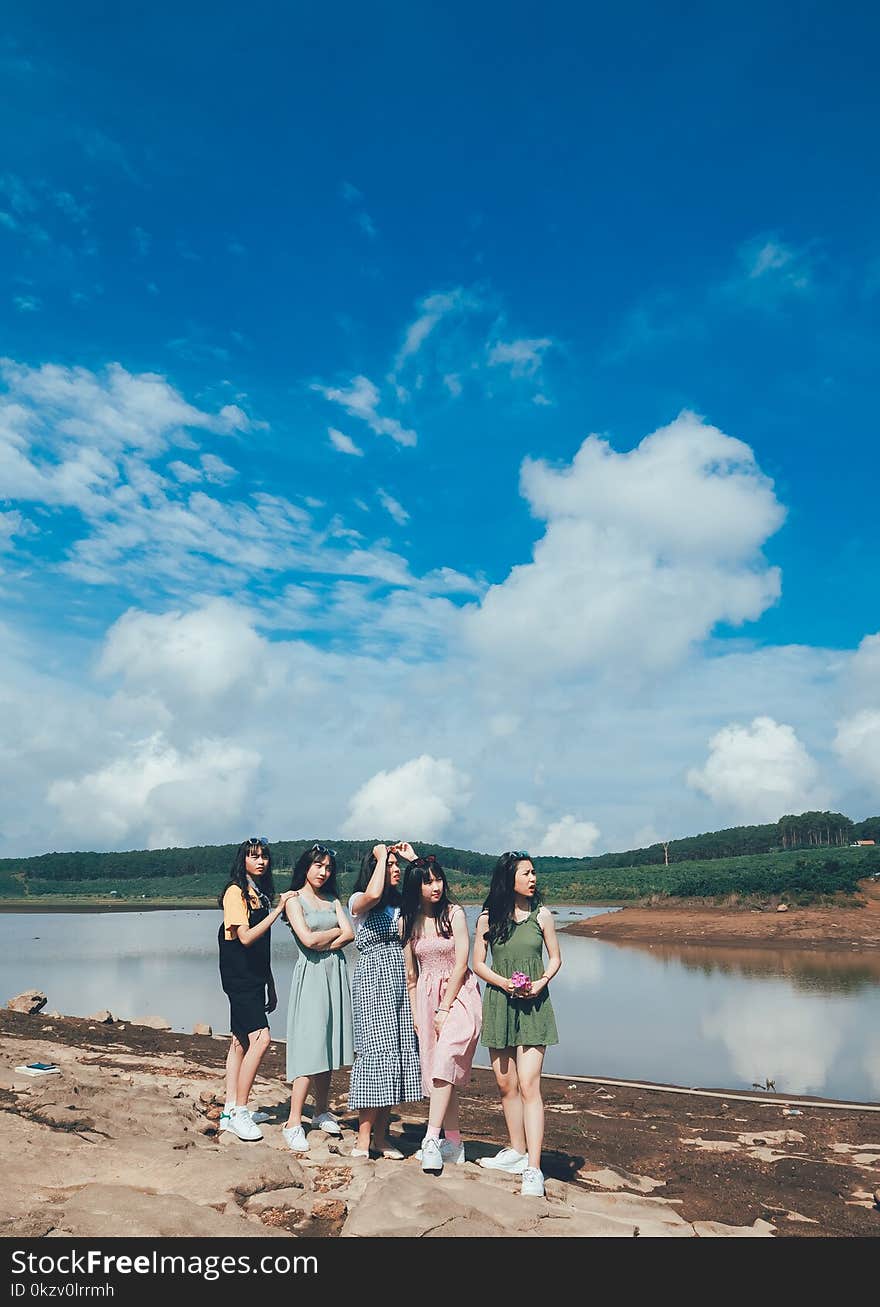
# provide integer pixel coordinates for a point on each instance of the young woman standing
(319, 1026)
(386, 1060)
(518, 1019)
(246, 976)
(445, 1001)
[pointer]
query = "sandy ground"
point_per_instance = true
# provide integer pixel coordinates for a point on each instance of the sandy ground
(850, 928)
(125, 1140)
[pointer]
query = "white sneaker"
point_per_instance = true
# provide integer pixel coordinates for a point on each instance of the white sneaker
(532, 1182)
(327, 1122)
(295, 1138)
(432, 1157)
(241, 1124)
(453, 1153)
(507, 1160)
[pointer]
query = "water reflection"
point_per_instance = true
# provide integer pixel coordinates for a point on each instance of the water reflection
(687, 1015)
(826, 970)
(773, 1036)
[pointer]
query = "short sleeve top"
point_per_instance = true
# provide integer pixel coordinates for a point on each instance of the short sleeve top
(358, 917)
(235, 911)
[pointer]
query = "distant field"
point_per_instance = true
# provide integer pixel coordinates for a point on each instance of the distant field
(803, 877)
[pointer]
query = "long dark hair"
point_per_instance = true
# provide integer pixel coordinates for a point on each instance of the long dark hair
(501, 899)
(238, 872)
(390, 896)
(305, 860)
(417, 874)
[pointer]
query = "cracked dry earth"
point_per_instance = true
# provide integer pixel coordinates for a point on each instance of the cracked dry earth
(125, 1142)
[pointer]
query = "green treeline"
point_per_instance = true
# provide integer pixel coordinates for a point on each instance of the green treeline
(821, 867)
(806, 831)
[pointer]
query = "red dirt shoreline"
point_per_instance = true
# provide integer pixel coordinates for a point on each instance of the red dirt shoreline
(681, 922)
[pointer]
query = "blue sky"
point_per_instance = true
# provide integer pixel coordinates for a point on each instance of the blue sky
(385, 273)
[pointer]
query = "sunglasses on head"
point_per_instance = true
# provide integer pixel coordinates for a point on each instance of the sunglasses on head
(260, 840)
(520, 853)
(323, 848)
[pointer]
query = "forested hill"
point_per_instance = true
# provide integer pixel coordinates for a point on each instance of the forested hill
(806, 830)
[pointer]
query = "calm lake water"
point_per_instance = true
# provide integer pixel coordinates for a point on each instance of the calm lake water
(686, 1016)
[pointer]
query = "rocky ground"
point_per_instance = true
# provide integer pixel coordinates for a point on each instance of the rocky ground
(851, 928)
(125, 1142)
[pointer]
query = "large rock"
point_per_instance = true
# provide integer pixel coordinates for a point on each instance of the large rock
(201, 1028)
(133, 1213)
(31, 1001)
(155, 1023)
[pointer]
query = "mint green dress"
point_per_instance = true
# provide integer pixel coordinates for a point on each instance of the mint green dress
(319, 1030)
(518, 1022)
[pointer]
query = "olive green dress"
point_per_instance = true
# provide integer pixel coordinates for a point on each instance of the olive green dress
(510, 1022)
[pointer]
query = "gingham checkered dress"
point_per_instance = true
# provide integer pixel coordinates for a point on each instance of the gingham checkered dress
(386, 1058)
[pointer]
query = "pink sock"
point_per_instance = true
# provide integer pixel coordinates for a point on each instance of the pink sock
(454, 1137)
(432, 1132)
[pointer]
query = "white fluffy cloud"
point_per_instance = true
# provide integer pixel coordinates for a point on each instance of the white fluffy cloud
(417, 800)
(643, 555)
(157, 796)
(361, 400)
(522, 357)
(857, 742)
(760, 771)
(343, 444)
(568, 838)
(325, 652)
(393, 507)
(857, 739)
(184, 657)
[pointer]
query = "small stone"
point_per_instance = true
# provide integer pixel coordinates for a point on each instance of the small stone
(783, 907)
(53, 1016)
(30, 1002)
(154, 1023)
(105, 1016)
(208, 1097)
(201, 1028)
(214, 1113)
(877, 1197)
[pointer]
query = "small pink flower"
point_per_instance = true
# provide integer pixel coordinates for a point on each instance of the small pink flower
(522, 983)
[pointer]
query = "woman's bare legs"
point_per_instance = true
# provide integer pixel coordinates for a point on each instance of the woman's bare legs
(250, 1063)
(441, 1096)
(505, 1068)
(234, 1060)
(373, 1121)
(529, 1063)
(298, 1093)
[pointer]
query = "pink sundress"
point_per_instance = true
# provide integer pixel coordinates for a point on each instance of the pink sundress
(448, 1058)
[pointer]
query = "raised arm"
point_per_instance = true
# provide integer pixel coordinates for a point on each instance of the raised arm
(367, 899)
(551, 943)
(481, 945)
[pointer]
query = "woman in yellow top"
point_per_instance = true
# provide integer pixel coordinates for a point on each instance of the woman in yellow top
(246, 975)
